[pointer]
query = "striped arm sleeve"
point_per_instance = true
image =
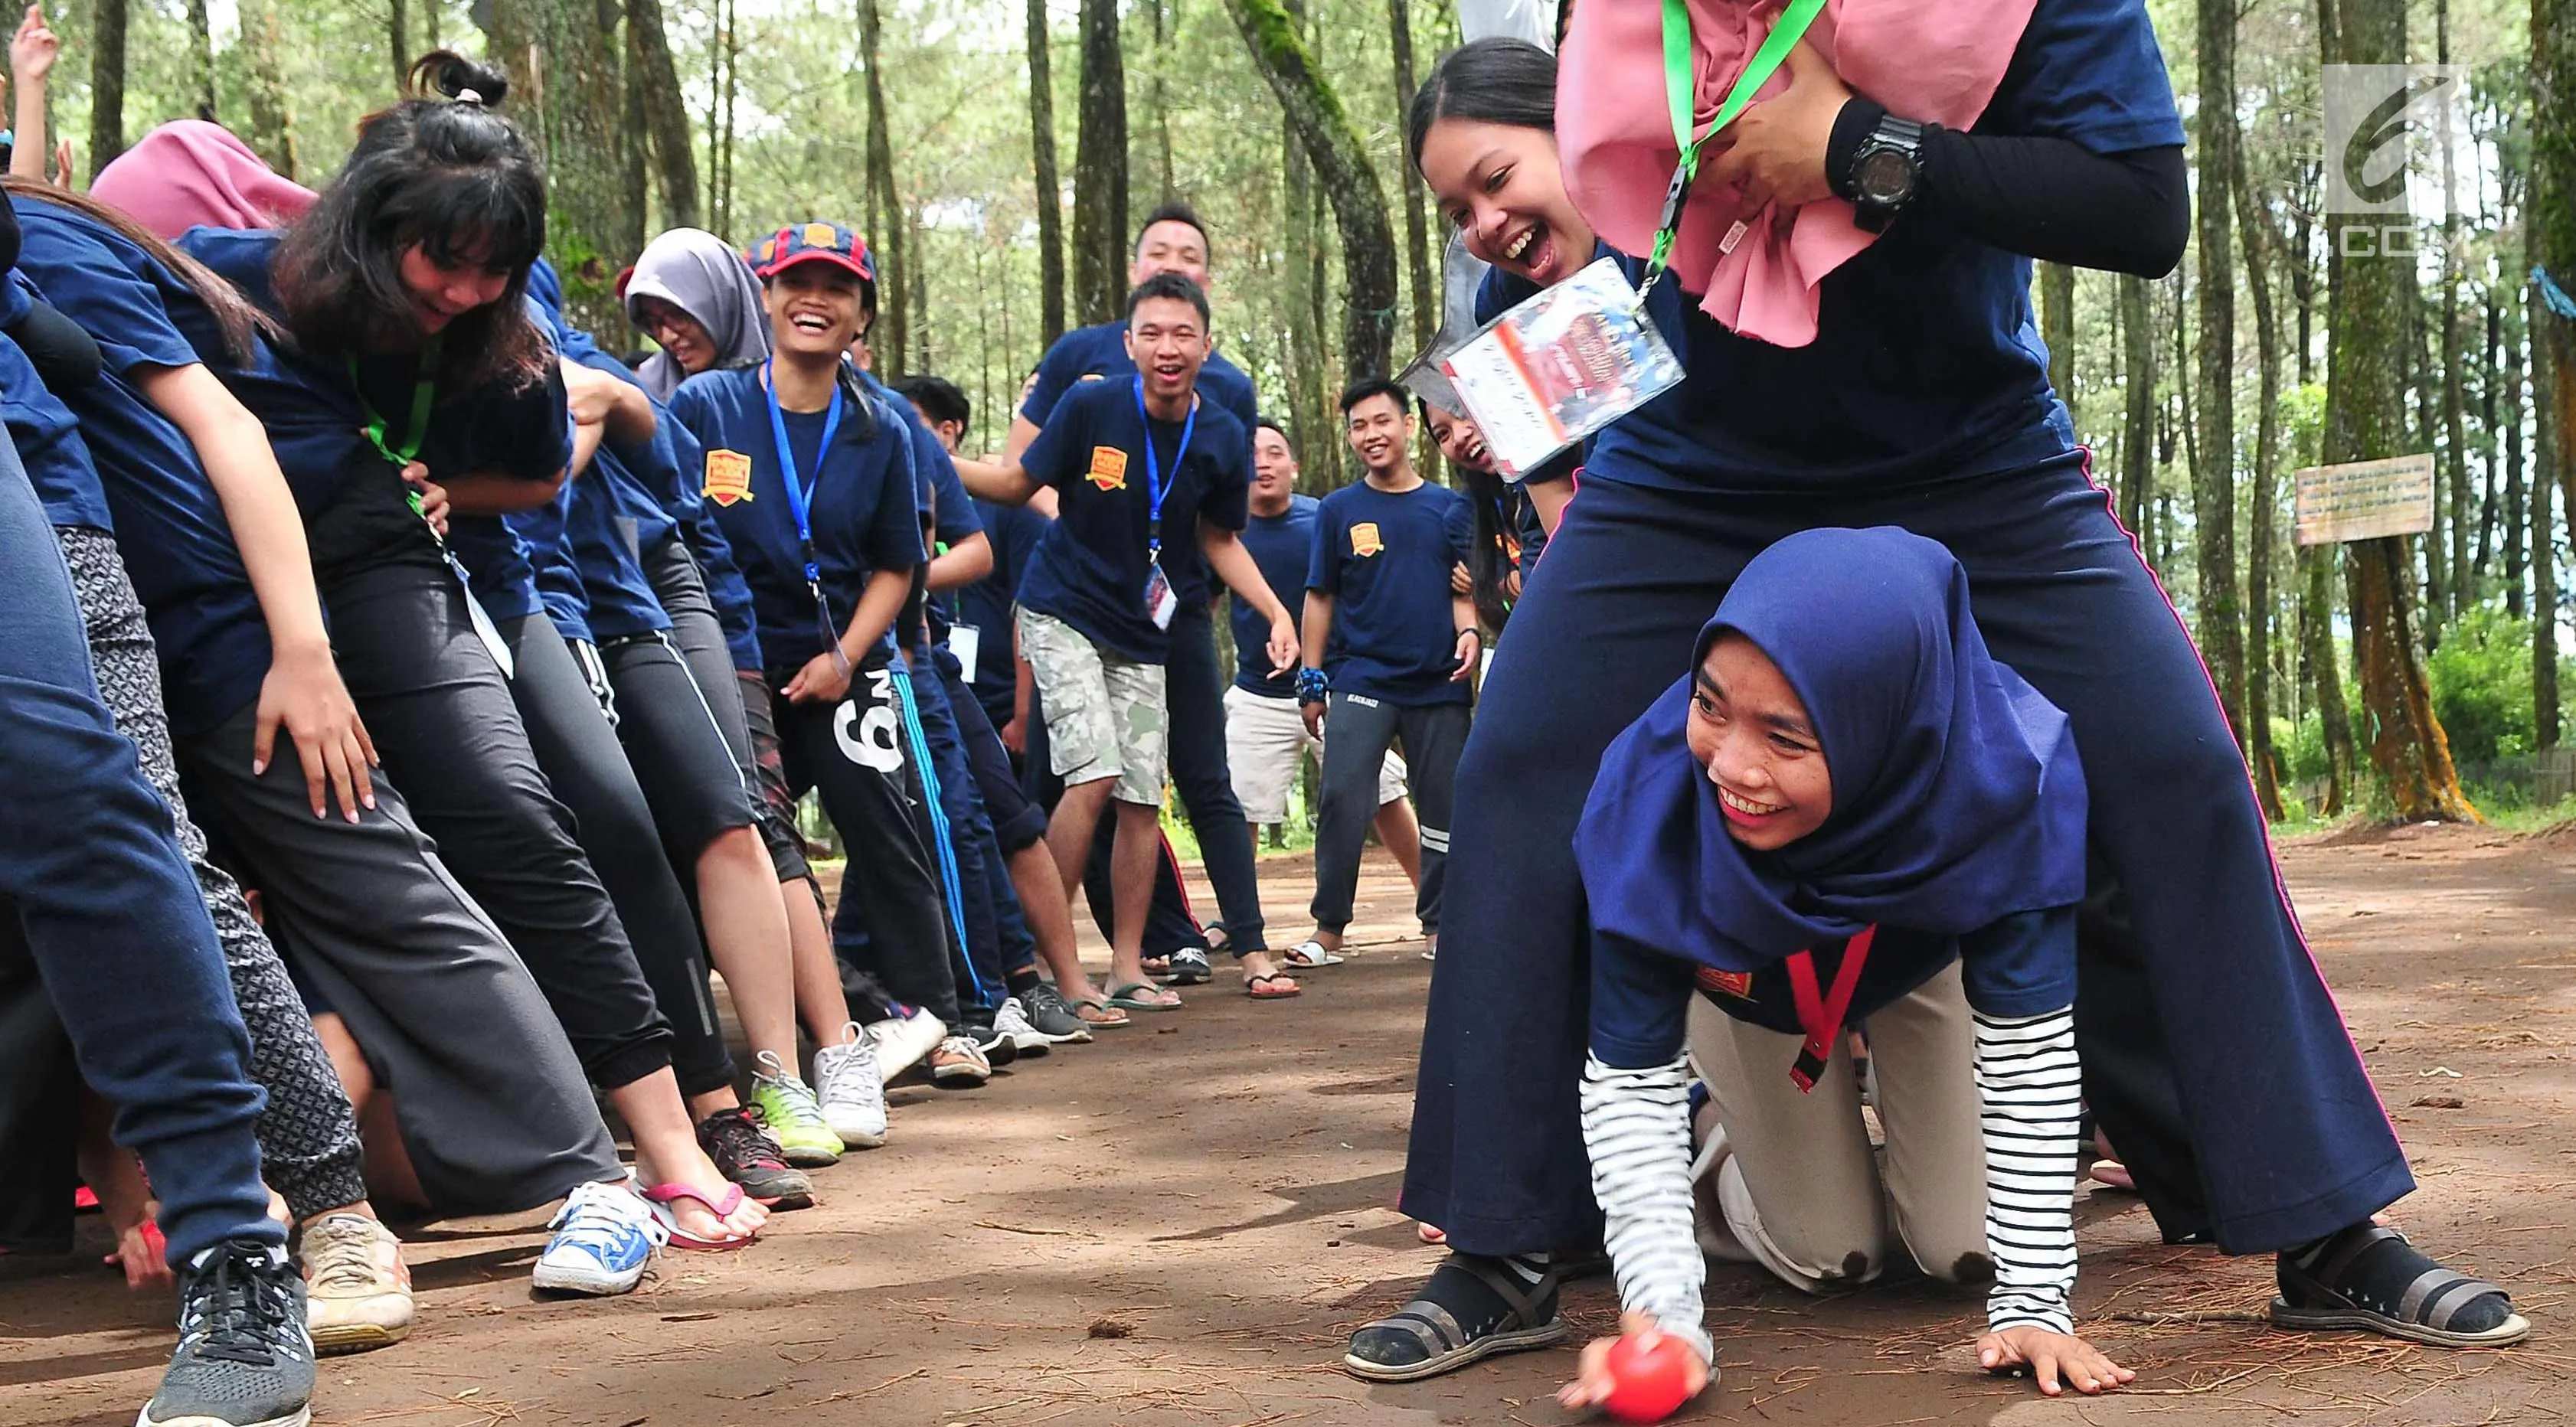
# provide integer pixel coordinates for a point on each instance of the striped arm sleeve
(2030, 1090)
(1636, 1125)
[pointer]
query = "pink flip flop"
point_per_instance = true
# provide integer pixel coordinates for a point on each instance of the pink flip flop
(663, 1196)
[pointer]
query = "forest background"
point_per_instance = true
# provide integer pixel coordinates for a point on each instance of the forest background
(996, 152)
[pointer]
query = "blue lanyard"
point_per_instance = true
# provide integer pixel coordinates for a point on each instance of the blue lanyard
(800, 495)
(1155, 490)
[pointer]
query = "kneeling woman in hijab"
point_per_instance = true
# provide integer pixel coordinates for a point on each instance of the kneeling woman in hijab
(1845, 812)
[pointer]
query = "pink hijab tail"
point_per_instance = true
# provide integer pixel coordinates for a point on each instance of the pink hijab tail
(189, 173)
(1933, 60)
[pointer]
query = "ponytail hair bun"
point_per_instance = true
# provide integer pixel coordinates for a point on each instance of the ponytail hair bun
(445, 74)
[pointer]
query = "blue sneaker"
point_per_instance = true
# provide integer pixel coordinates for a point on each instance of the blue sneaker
(604, 1236)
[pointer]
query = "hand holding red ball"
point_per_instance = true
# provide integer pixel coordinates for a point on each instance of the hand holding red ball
(1643, 1375)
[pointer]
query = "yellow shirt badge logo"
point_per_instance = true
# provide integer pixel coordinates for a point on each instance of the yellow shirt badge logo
(1108, 468)
(728, 477)
(1365, 541)
(1738, 984)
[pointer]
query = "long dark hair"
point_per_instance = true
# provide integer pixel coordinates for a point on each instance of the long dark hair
(1487, 564)
(1494, 81)
(239, 323)
(444, 172)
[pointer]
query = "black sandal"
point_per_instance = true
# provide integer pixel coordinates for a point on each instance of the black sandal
(1472, 1308)
(2372, 1279)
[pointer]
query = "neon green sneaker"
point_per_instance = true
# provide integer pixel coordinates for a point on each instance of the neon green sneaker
(792, 1113)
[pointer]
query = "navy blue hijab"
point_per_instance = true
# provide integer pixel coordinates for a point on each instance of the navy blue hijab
(1958, 798)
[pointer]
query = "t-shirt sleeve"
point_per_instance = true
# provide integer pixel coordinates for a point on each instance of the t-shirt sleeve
(954, 513)
(1227, 504)
(1323, 559)
(2090, 71)
(1058, 370)
(893, 539)
(1640, 1005)
(1048, 461)
(119, 306)
(2022, 965)
(1460, 522)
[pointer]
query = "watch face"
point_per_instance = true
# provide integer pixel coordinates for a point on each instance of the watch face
(1884, 177)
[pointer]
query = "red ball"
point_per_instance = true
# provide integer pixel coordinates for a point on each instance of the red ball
(1649, 1377)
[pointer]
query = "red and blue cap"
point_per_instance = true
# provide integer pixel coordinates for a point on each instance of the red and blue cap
(815, 242)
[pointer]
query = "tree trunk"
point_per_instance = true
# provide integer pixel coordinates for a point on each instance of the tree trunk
(2213, 496)
(272, 128)
(106, 84)
(564, 88)
(651, 70)
(2364, 399)
(2138, 377)
(1342, 168)
(1050, 184)
(2483, 558)
(397, 38)
(1318, 449)
(1166, 189)
(2057, 328)
(2549, 231)
(2317, 651)
(1100, 168)
(1417, 239)
(201, 60)
(2428, 437)
(2262, 502)
(634, 140)
(2455, 442)
(892, 340)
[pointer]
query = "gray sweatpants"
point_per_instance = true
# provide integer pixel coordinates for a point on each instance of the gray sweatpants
(308, 1138)
(1357, 733)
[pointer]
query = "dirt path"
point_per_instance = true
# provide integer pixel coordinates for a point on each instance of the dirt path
(1179, 1224)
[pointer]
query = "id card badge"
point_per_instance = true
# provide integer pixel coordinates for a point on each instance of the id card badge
(1160, 603)
(1561, 366)
(484, 628)
(965, 641)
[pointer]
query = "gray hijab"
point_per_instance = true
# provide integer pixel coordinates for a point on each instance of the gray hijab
(700, 274)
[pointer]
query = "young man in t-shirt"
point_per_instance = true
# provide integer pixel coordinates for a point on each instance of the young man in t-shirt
(1384, 552)
(1140, 468)
(1266, 740)
(1172, 240)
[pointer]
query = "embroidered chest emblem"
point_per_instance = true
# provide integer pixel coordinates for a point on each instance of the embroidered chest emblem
(1738, 984)
(1108, 468)
(1365, 540)
(728, 477)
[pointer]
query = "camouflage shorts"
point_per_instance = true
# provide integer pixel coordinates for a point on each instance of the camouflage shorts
(1104, 713)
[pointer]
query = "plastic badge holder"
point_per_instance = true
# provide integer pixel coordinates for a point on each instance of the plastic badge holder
(1561, 366)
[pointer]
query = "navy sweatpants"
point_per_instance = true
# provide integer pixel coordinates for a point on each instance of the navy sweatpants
(2279, 1131)
(94, 890)
(962, 835)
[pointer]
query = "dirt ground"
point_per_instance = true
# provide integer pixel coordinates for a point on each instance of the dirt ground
(1179, 1224)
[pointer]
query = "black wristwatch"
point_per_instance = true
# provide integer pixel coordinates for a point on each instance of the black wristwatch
(1886, 172)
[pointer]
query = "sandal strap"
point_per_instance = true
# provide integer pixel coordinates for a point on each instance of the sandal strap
(1435, 1327)
(2332, 1267)
(2437, 1295)
(1506, 1286)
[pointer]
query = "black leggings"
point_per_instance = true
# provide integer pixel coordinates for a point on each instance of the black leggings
(699, 636)
(451, 737)
(587, 768)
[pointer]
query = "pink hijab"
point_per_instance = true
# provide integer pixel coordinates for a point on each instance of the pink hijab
(189, 173)
(1925, 60)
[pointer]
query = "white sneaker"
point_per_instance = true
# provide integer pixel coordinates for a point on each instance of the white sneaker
(357, 1291)
(903, 1040)
(846, 1080)
(604, 1236)
(1010, 1020)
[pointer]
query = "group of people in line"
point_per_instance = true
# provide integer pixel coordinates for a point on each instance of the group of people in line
(412, 703)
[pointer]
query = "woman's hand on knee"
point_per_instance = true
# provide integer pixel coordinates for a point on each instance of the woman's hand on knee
(2056, 1361)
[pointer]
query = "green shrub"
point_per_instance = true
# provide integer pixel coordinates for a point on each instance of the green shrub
(2482, 686)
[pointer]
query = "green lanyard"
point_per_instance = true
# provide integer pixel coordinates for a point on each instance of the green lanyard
(424, 393)
(1680, 88)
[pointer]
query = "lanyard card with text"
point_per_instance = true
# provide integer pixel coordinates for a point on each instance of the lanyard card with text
(1561, 366)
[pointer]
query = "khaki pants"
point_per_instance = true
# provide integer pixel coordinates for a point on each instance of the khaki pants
(1798, 1188)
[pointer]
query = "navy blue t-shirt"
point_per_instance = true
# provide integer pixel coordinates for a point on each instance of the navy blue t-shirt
(1091, 567)
(612, 519)
(48, 440)
(1100, 351)
(356, 509)
(544, 537)
(674, 485)
(1927, 363)
(1283, 545)
(2023, 965)
(1385, 561)
(206, 620)
(985, 606)
(864, 516)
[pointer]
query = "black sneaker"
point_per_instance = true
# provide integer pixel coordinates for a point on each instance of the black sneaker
(1188, 967)
(244, 1358)
(1054, 1020)
(741, 1146)
(997, 1044)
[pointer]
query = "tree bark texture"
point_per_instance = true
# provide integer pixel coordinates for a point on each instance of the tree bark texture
(2138, 378)
(2057, 327)
(272, 126)
(201, 61)
(652, 70)
(892, 340)
(106, 84)
(2262, 501)
(1050, 182)
(2213, 467)
(1100, 168)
